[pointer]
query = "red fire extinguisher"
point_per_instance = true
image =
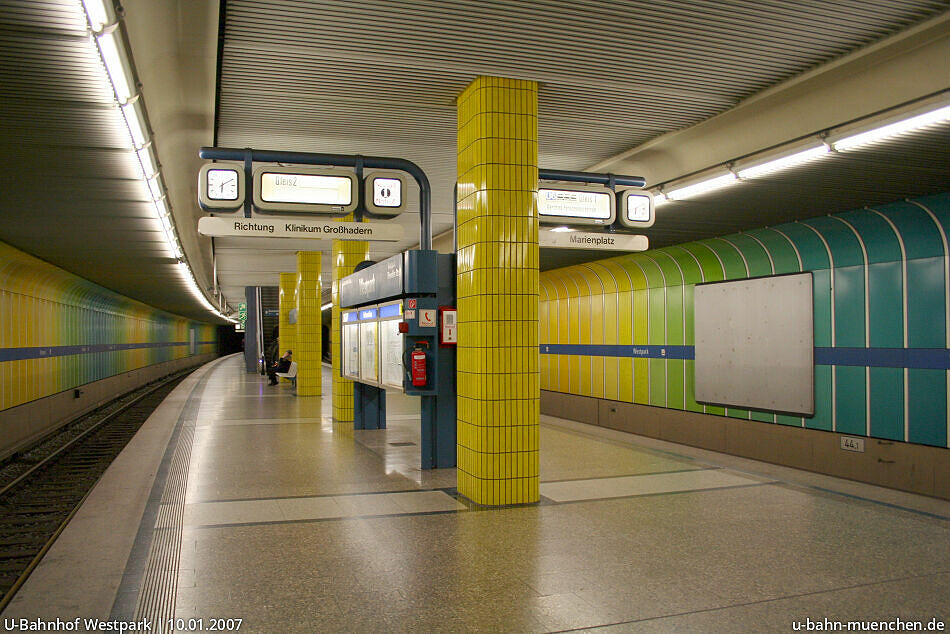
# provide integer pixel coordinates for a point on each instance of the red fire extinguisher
(418, 367)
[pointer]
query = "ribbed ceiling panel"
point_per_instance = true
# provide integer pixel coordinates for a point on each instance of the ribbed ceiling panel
(381, 77)
(70, 190)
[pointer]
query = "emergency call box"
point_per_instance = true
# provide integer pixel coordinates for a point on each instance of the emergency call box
(449, 329)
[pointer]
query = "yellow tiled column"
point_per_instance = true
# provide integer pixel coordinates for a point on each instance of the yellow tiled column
(498, 359)
(346, 255)
(287, 300)
(309, 352)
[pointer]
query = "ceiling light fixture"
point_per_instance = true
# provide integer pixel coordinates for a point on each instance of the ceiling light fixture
(155, 187)
(784, 162)
(939, 115)
(909, 118)
(702, 187)
(113, 52)
(115, 64)
(134, 118)
(100, 14)
(326, 306)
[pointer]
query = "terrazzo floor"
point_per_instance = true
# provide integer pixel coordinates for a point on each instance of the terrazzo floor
(292, 525)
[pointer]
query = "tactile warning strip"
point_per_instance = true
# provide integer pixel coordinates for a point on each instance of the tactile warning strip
(156, 599)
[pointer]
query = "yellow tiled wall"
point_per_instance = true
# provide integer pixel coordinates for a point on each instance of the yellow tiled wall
(287, 300)
(346, 255)
(59, 331)
(309, 344)
(498, 359)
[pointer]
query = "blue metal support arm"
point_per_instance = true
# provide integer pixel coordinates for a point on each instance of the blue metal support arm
(589, 177)
(343, 160)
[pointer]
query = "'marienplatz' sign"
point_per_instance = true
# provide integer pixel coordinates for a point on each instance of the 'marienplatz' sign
(594, 241)
(296, 227)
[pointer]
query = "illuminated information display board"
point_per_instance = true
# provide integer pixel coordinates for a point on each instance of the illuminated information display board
(584, 205)
(306, 190)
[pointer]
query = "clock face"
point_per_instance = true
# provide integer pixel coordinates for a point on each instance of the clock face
(222, 184)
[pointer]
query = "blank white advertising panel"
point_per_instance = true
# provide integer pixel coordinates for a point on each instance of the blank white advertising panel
(755, 344)
(351, 350)
(369, 356)
(390, 354)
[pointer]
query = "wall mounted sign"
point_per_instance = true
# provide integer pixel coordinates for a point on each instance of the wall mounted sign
(592, 241)
(576, 205)
(272, 227)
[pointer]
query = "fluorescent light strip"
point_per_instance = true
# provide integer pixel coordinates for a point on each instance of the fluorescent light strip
(186, 273)
(785, 162)
(148, 163)
(155, 187)
(701, 188)
(136, 123)
(939, 115)
(111, 52)
(326, 306)
(109, 48)
(98, 14)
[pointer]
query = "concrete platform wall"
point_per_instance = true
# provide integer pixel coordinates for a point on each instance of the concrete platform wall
(23, 425)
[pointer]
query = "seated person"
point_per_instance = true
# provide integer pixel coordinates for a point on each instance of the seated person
(282, 365)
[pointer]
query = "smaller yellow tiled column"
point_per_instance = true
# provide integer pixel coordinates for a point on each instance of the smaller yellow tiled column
(346, 255)
(309, 342)
(287, 301)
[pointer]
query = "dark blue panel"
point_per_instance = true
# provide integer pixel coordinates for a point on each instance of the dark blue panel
(879, 238)
(810, 247)
(616, 350)
(822, 317)
(850, 400)
(917, 229)
(887, 403)
(844, 245)
(822, 417)
(390, 310)
(927, 407)
(940, 206)
(43, 352)
(886, 305)
(849, 306)
(919, 358)
(926, 303)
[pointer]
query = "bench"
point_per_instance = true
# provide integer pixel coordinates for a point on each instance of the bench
(290, 374)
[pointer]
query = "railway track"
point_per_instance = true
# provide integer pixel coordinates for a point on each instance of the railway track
(41, 489)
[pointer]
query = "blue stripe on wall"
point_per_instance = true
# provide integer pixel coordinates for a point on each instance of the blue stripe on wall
(916, 358)
(44, 352)
(613, 350)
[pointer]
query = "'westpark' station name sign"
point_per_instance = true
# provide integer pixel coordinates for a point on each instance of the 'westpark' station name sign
(297, 228)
